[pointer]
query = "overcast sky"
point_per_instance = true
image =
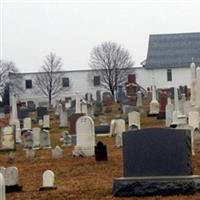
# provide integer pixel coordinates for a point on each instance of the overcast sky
(31, 29)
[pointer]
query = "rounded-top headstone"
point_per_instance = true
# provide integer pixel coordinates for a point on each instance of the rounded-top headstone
(48, 178)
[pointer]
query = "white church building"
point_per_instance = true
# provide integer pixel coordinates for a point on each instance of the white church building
(167, 65)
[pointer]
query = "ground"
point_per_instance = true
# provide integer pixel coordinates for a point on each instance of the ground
(78, 178)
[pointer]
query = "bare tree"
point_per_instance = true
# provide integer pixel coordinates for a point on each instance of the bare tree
(49, 79)
(112, 63)
(7, 68)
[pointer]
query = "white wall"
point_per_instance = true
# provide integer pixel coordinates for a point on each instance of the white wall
(146, 78)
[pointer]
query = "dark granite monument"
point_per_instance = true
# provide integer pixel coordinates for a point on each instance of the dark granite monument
(157, 161)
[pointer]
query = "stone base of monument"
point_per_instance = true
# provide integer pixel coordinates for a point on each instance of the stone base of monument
(47, 188)
(13, 188)
(83, 151)
(156, 185)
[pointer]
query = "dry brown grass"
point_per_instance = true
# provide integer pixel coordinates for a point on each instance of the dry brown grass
(78, 178)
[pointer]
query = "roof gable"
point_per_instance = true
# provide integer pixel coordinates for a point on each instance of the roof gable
(173, 50)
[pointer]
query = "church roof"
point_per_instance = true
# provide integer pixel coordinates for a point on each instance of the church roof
(173, 50)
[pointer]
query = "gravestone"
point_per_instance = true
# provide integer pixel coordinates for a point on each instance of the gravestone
(72, 122)
(41, 111)
(7, 139)
(163, 103)
(139, 100)
(48, 179)
(17, 131)
(12, 179)
(31, 106)
(36, 138)
(193, 84)
(2, 188)
(28, 139)
(85, 140)
(45, 141)
(168, 113)
(112, 127)
(57, 153)
(84, 108)
(3, 171)
(154, 105)
(46, 121)
(66, 138)
(63, 117)
(119, 129)
(101, 152)
(78, 103)
(40, 122)
(134, 119)
(150, 170)
(27, 124)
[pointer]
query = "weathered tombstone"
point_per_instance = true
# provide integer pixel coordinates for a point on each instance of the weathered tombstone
(182, 104)
(154, 105)
(150, 164)
(163, 103)
(2, 188)
(28, 139)
(57, 153)
(85, 140)
(119, 129)
(101, 152)
(168, 113)
(112, 127)
(36, 138)
(41, 111)
(17, 131)
(134, 119)
(45, 141)
(27, 124)
(63, 117)
(40, 122)
(48, 180)
(72, 122)
(12, 179)
(139, 100)
(66, 138)
(46, 121)
(13, 115)
(8, 141)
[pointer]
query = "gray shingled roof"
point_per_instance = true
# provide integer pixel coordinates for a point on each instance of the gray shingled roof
(173, 50)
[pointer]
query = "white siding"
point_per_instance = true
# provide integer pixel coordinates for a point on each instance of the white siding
(146, 78)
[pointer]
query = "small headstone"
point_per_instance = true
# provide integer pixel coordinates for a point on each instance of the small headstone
(57, 153)
(48, 179)
(40, 122)
(45, 141)
(12, 179)
(27, 124)
(7, 139)
(66, 138)
(119, 129)
(168, 113)
(101, 152)
(46, 121)
(36, 138)
(28, 139)
(134, 119)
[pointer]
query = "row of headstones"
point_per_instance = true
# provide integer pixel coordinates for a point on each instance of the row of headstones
(9, 181)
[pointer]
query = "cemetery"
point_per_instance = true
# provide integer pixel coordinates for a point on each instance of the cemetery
(143, 145)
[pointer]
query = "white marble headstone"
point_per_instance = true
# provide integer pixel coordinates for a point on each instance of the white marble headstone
(48, 179)
(7, 138)
(27, 123)
(85, 139)
(134, 119)
(119, 129)
(194, 119)
(12, 176)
